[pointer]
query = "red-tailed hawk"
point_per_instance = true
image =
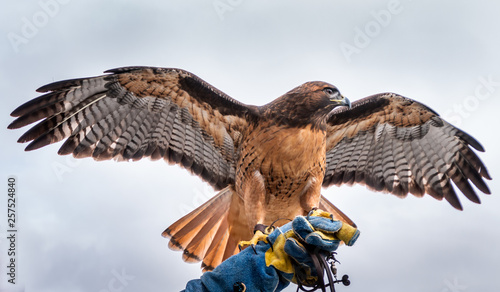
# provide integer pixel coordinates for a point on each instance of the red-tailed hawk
(268, 161)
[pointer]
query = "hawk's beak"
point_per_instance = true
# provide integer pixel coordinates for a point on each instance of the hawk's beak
(342, 101)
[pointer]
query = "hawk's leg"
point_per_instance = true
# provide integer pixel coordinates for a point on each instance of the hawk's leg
(311, 195)
(254, 196)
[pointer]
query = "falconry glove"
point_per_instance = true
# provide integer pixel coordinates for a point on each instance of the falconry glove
(280, 256)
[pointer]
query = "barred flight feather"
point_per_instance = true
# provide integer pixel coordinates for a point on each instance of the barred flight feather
(174, 117)
(416, 152)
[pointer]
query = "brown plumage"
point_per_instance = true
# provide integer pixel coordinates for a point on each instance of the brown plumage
(268, 162)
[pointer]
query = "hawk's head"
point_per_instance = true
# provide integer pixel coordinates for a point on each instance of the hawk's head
(308, 104)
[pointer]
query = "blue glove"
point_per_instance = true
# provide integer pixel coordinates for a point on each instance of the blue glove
(276, 258)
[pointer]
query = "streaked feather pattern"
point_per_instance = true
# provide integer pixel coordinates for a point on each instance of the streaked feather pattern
(393, 144)
(138, 112)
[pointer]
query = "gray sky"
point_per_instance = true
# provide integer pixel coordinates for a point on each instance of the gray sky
(82, 223)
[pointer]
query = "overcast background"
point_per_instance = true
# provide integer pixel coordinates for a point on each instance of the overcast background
(85, 223)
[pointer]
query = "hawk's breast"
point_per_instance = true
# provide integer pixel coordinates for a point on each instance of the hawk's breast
(288, 158)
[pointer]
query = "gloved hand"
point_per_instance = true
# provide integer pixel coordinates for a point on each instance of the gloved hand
(279, 257)
(315, 232)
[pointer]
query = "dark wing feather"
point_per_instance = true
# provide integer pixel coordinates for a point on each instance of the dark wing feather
(137, 112)
(394, 144)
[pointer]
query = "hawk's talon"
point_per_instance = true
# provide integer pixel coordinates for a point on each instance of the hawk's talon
(258, 236)
(253, 247)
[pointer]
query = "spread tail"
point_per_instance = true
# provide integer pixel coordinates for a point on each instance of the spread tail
(210, 233)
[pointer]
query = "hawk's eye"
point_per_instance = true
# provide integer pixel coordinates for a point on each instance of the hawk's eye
(331, 91)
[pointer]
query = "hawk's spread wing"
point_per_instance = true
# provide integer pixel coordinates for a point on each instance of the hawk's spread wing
(138, 112)
(391, 143)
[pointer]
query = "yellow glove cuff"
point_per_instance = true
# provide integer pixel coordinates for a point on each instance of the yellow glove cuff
(346, 233)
